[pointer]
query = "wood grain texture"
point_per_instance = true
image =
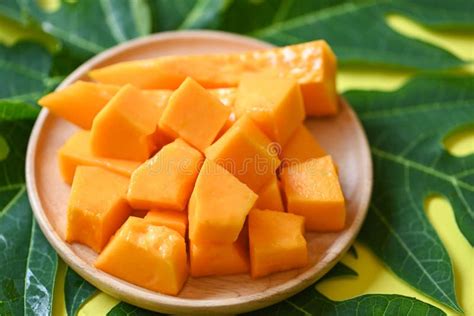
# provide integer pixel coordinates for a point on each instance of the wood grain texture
(342, 136)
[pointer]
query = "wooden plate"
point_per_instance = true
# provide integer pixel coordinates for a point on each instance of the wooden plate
(342, 136)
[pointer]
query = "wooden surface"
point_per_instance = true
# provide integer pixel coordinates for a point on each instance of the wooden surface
(342, 136)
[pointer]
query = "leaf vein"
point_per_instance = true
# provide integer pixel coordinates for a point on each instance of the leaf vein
(425, 107)
(297, 308)
(422, 168)
(73, 38)
(111, 21)
(382, 218)
(312, 17)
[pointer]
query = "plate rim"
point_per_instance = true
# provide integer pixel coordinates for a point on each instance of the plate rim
(161, 302)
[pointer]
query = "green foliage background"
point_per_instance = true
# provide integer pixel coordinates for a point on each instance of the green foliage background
(405, 128)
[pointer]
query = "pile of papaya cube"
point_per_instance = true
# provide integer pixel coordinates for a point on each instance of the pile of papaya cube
(200, 165)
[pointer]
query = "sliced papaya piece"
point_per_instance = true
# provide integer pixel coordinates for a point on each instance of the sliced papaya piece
(218, 206)
(301, 146)
(125, 128)
(225, 95)
(313, 65)
(194, 114)
(139, 213)
(150, 256)
(80, 102)
(160, 99)
(312, 190)
(174, 220)
(166, 180)
(277, 242)
(227, 98)
(168, 72)
(269, 196)
(220, 258)
(77, 152)
(275, 104)
(97, 206)
(245, 152)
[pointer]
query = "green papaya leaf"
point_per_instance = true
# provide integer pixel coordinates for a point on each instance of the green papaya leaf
(405, 130)
(77, 291)
(187, 14)
(14, 9)
(64, 63)
(311, 302)
(353, 251)
(16, 120)
(266, 14)
(41, 268)
(338, 270)
(28, 263)
(457, 14)
(88, 27)
(24, 70)
(169, 16)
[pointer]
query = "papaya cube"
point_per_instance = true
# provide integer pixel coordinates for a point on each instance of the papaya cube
(218, 206)
(177, 221)
(166, 180)
(125, 127)
(312, 190)
(150, 256)
(318, 78)
(227, 98)
(194, 114)
(219, 258)
(276, 241)
(269, 196)
(80, 102)
(228, 124)
(139, 213)
(301, 146)
(77, 152)
(225, 95)
(160, 100)
(97, 206)
(275, 104)
(246, 153)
